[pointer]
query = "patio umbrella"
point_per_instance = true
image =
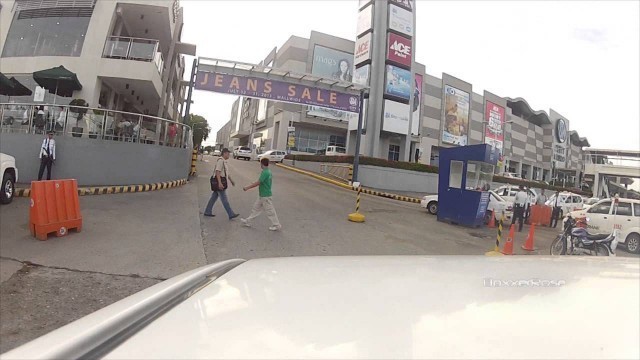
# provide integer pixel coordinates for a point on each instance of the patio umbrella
(19, 89)
(58, 81)
(6, 86)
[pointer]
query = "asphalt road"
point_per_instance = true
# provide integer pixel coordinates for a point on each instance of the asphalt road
(314, 219)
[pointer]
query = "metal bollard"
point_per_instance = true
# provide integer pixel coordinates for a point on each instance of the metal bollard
(356, 216)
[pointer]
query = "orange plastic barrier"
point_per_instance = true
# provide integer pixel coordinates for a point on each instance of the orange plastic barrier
(54, 208)
(540, 215)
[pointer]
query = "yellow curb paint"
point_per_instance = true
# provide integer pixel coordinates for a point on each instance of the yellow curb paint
(85, 191)
(366, 191)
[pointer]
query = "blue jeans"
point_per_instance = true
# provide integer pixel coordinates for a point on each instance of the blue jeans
(225, 202)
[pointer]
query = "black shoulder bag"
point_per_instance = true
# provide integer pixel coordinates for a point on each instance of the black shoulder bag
(214, 180)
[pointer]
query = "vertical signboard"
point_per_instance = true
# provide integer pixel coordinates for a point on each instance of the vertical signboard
(400, 20)
(363, 49)
(396, 117)
(399, 50)
(331, 63)
(456, 116)
(398, 83)
(364, 20)
(361, 75)
(494, 118)
(560, 143)
(417, 102)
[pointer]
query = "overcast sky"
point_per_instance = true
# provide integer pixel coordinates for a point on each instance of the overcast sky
(581, 58)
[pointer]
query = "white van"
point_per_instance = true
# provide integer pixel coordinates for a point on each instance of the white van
(335, 150)
(567, 202)
(604, 217)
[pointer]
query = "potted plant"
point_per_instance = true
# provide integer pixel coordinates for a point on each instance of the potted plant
(78, 106)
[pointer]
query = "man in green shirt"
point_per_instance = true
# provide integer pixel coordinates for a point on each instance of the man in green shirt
(265, 201)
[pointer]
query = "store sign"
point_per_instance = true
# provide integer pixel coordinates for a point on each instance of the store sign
(361, 75)
(417, 101)
(398, 83)
(559, 153)
(363, 49)
(364, 20)
(259, 88)
(407, 4)
(399, 49)
(396, 117)
(494, 118)
(400, 20)
(456, 116)
(353, 120)
(561, 130)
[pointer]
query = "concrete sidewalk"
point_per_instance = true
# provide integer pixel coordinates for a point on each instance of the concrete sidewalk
(154, 234)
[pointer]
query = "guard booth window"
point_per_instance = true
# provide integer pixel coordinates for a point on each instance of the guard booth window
(455, 174)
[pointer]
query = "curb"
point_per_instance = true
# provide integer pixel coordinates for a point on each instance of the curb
(408, 199)
(101, 190)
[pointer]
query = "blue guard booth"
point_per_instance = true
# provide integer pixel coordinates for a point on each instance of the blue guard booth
(464, 182)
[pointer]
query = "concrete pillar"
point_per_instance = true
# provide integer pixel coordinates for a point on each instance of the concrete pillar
(377, 76)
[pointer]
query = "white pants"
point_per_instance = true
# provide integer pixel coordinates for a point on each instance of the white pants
(264, 204)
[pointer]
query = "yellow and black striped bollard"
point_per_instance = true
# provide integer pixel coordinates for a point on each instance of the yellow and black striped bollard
(356, 216)
(194, 158)
(496, 249)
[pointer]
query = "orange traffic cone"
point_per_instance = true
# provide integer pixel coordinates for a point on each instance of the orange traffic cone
(508, 245)
(492, 222)
(528, 245)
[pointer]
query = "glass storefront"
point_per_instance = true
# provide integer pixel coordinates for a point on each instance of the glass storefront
(47, 32)
(316, 140)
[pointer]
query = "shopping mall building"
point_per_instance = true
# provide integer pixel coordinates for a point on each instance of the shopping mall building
(536, 143)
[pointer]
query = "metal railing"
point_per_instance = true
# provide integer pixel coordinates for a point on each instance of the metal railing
(86, 122)
(128, 48)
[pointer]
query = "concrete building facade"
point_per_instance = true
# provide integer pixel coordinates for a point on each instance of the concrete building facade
(127, 54)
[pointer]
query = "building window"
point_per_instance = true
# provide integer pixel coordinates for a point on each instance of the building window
(47, 32)
(394, 152)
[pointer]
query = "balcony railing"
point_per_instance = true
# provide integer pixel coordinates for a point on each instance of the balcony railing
(99, 124)
(128, 48)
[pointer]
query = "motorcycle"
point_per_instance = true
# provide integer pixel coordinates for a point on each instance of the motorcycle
(576, 240)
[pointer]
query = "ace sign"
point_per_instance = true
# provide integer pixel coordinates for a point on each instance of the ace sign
(399, 49)
(363, 49)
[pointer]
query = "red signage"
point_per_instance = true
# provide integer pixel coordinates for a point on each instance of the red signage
(494, 129)
(399, 49)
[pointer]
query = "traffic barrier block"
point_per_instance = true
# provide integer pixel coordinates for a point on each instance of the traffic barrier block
(540, 215)
(55, 208)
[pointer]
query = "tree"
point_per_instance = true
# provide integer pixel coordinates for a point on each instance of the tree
(200, 129)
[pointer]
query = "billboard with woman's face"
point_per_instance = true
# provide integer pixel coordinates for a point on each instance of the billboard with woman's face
(456, 116)
(331, 64)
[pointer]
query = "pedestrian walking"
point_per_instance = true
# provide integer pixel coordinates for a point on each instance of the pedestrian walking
(265, 200)
(219, 182)
(555, 212)
(47, 155)
(519, 207)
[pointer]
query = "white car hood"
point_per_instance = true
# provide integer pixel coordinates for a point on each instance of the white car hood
(404, 307)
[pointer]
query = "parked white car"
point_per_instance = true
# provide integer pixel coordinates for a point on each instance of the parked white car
(242, 152)
(567, 202)
(589, 202)
(497, 205)
(216, 152)
(9, 172)
(273, 155)
(508, 192)
(510, 175)
(604, 216)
